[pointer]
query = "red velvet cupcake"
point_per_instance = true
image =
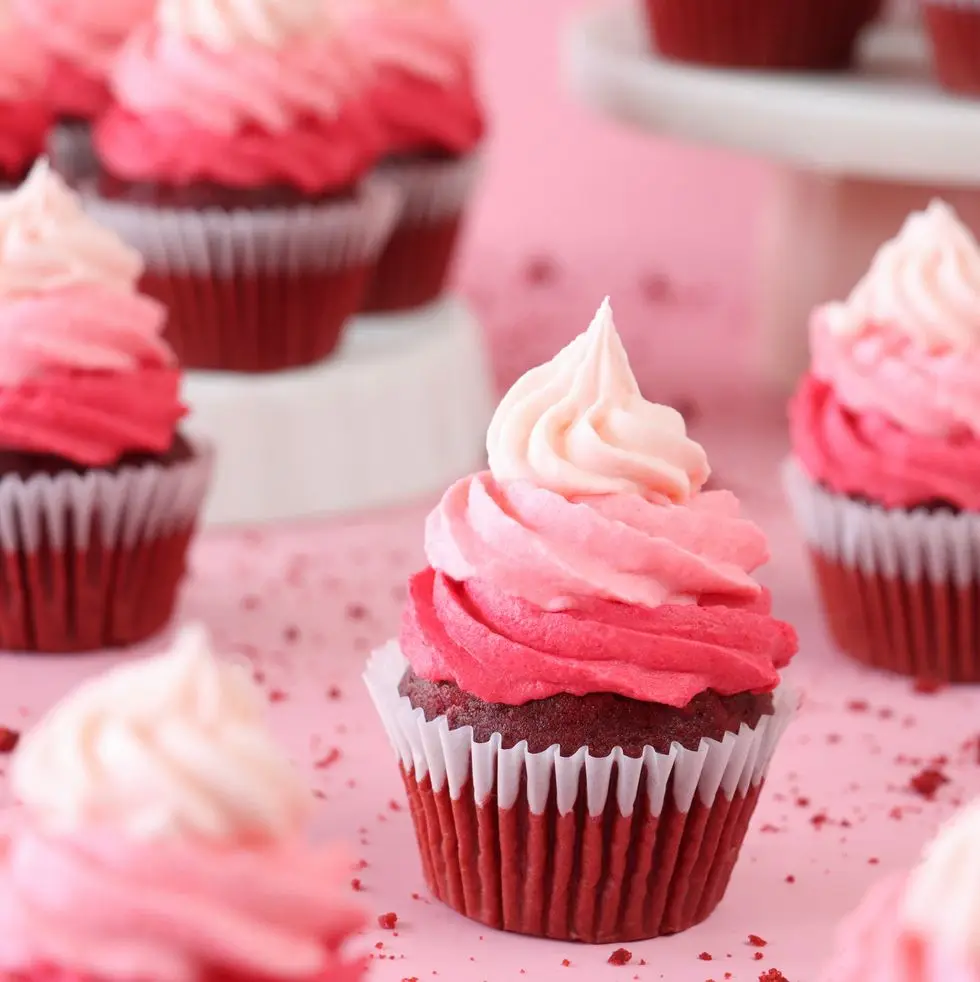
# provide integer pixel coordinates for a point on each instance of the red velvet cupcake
(794, 35)
(954, 29)
(423, 91)
(586, 695)
(99, 492)
(234, 155)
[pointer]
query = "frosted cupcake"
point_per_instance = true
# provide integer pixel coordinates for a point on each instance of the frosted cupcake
(586, 692)
(421, 56)
(24, 113)
(923, 926)
(234, 154)
(161, 837)
(99, 492)
(886, 451)
(80, 37)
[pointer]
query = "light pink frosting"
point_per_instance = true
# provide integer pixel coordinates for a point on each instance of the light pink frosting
(24, 64)
(557, 554)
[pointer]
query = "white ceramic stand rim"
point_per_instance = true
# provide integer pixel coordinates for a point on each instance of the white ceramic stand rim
(396, 414)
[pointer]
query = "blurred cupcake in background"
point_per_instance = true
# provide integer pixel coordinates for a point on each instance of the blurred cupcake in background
(82, 38)
(791, 35)
(885, 432)
(923, 925)
(420, 54)
(99, 492)
(954, 30)
(233, 157)
(162, 836)
(25, 116)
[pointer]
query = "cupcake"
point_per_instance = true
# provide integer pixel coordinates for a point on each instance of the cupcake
(791, 35)
(24, 113)
(585, 695)
(421, 56)
(885, 431)
(954, 30)
(80, 37)
(233, 157)
(161, 836)
(920, 926)
(99, 491)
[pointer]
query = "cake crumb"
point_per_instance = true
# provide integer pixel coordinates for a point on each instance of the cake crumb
(927, 687)
(790, 878)
(621, 956)
(356, 885)
(927, 782)
(388, 921)
(705, 956)
(565, 963)
(757, 956)
(334, 692)
(756, 942)
(858, 706)
(540, 271)
(328, 759)
(8, 739)
(277, 695)
(773, 975)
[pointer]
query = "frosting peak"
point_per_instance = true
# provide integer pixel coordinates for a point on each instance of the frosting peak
(924, 283)
(170, 747)
(579, 425)
(224, 24)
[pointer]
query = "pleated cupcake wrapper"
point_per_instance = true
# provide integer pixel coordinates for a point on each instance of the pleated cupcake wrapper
(954, 29)
(71, 151)
(414, 267)
(95, 559)
(773, 34)
(900, 588)
(263, 289)
(588, 848)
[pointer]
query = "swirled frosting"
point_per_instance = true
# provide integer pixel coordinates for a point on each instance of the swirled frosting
(421, 56)
(174, 746)
(242, 95)
(924, 283)
(579, 425)
(160, 835)
(84, 372)
(81, 38)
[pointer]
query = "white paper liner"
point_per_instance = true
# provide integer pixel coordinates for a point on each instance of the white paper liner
(331, 235)
(937, 545)
(432, 190)
(730, 766)
(133, 504)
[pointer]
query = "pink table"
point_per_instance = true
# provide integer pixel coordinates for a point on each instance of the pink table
(305, 604)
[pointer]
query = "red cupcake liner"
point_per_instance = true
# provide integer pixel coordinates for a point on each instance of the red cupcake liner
(801, 35)
(954, 29)
(415, 265)
(596, 849)
(578, 877)
(95, 560)
(257, 290)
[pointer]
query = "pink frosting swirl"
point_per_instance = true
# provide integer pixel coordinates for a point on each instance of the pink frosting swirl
(423, 88)
(867, 455)
(560, 554)
(96, 906)
(247, 115)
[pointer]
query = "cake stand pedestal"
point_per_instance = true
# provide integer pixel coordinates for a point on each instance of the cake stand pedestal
(399, 412)
(856, 152)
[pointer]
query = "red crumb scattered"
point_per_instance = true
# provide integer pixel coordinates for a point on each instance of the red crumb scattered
(773, 975)
(858, 705)
(414, 978)
(395, 806)
(379, 945)
(277, 695)
(416, 896)
(927, 782)
(565, 963)
(885, 713)
(756, 941)
(728, 975)
(328, 759)
(833, 738)
(319, 795)
(819, 820)
(290, 633)
(388, 921)
(873, 860)
(621, 956)
(8, 739)
(757, 955)
(355, 611)
(334, 692)
(642, 961)
(250, 601)
(927, 687)
(361, 864)
(705, 956)
(356, 885)
(802, 802)
(769, 827)
(790, 878)
(656, 287)
(540, 270)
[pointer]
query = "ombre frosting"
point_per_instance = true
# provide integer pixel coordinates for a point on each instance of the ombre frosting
(84, 372)
(890, 409)
(160, 835)
(421, 56)
(588, 559)
(250, 94)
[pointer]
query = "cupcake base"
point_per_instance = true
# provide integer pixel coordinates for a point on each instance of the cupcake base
(954, 29)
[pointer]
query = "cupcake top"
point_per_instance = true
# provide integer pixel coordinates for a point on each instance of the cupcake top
(923, 926)
(421, 56)
(245, 95)
(161, 835)
(890, 410)
(82, 36)
(84, 372)
(588, 558)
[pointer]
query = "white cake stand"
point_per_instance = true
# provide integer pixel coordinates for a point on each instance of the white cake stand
(858, 152)
(399, 412)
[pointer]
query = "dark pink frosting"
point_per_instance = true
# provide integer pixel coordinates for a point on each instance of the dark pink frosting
(73, 92)
(23, 136)
(868, 455)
